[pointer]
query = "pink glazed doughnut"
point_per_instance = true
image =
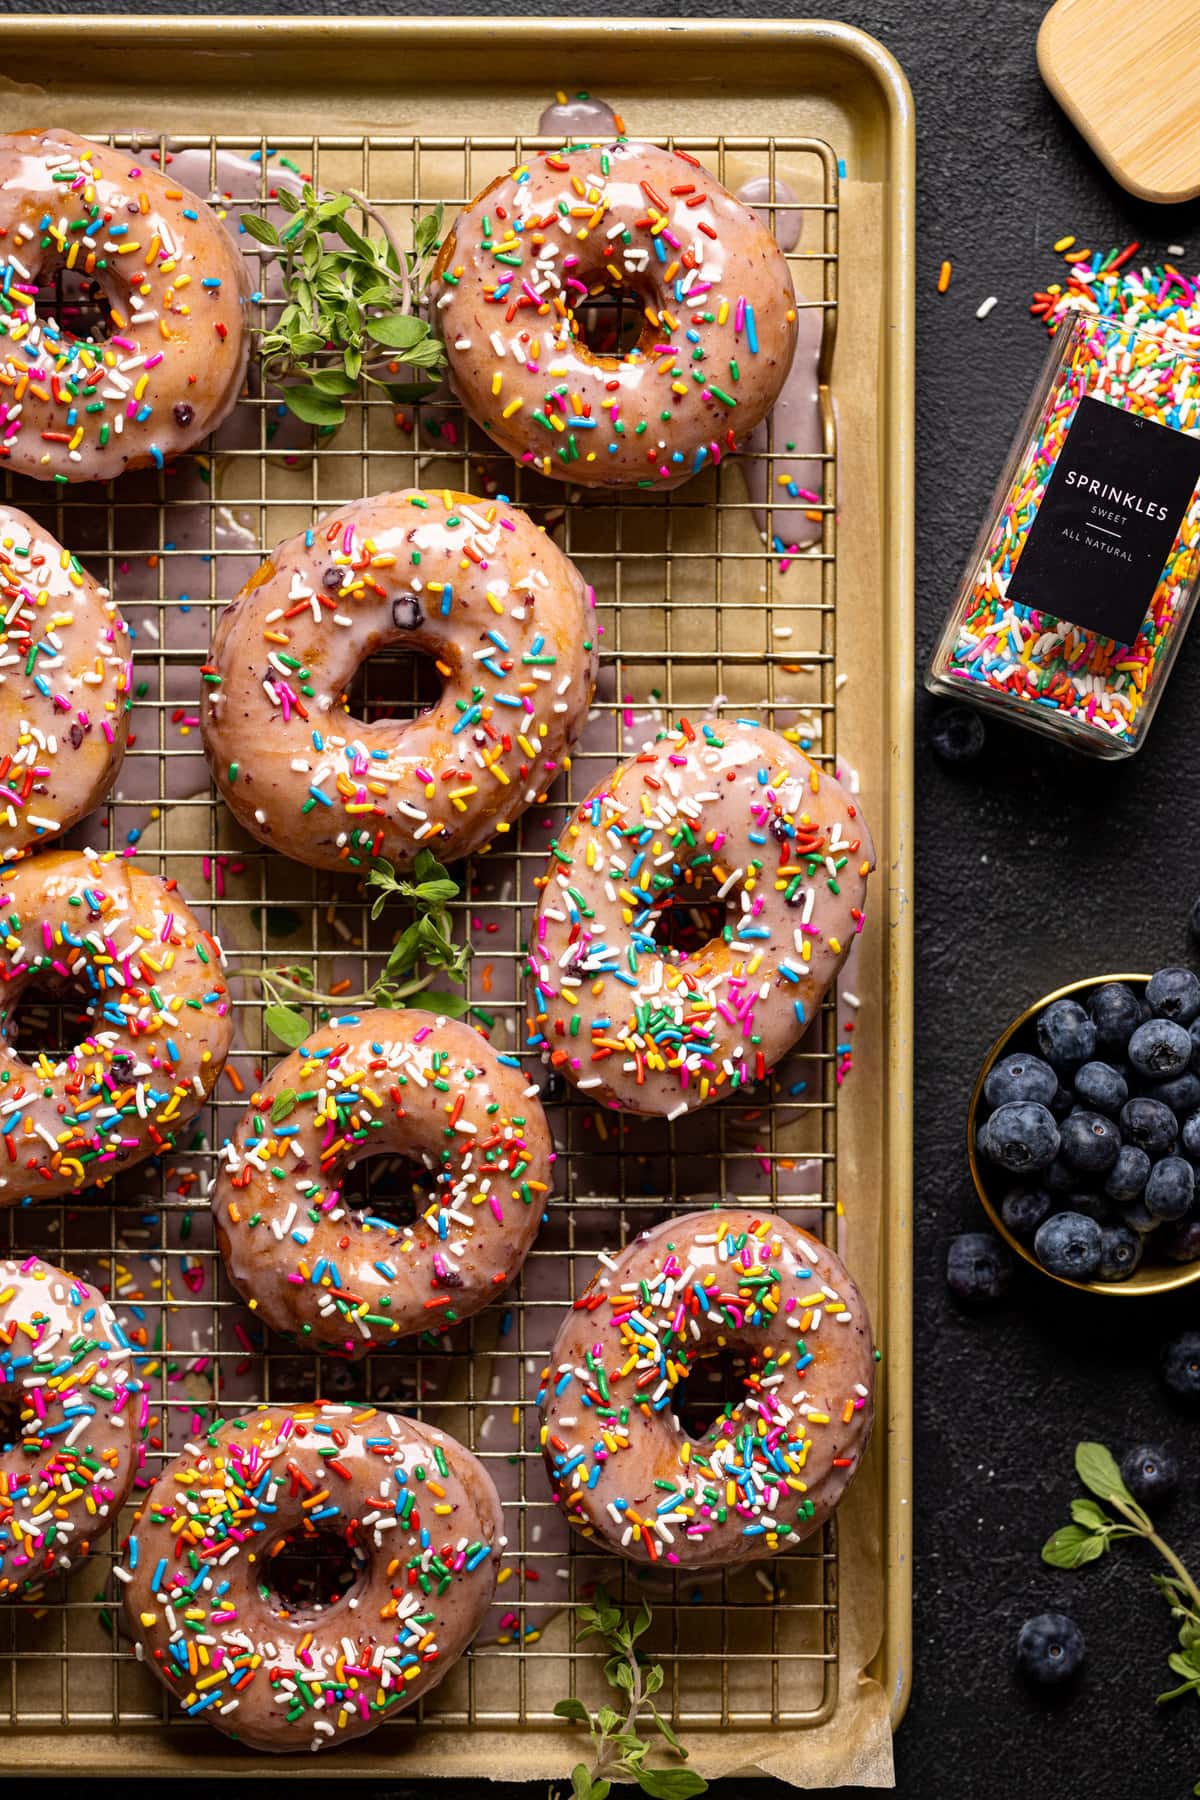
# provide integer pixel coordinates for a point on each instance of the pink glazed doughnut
(772, 1467)
(65, 687)
(410, 1514)
(472, 583)
(569, 226)
(408, 1084)
(175, 288)
(724, 813)
(71, 1418)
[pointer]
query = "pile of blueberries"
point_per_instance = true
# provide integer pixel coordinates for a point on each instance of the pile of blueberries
(1095, 1140)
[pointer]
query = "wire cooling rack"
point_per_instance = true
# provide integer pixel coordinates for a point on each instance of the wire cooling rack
(698, 609)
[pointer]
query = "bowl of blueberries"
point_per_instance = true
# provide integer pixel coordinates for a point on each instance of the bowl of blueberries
(1084, 1133)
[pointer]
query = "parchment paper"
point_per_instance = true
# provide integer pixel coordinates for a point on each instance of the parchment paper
(162, 1270)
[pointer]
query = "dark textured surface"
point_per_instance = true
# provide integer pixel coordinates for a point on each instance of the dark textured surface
(1034, 868)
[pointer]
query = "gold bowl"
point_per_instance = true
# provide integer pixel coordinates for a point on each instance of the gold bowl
(1148, 1278)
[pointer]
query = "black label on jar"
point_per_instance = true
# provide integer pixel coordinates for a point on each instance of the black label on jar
(1111, 511)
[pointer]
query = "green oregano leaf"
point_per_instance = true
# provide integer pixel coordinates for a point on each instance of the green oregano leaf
(1097, 1469)
(571, 1708)
(668, 1731)
(1072, 1546)
(314, 408)
(1087, 1513)
(260, 229)
(289, 1026)
(671, 1784)
(283, 1104)
(397, 331)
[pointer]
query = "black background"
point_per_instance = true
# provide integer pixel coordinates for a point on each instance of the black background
(1033, 868)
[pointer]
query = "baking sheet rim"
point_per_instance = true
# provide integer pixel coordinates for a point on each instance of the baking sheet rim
(893, 1662)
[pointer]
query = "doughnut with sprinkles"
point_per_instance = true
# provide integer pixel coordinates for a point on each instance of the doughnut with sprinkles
(399, 1511)
(727, 814)
(538, 247)
(773, 1465)
(157, 1033)
(168, 362)
(72, 1419)
(474, 584)
(325, 1272)
(65, 687)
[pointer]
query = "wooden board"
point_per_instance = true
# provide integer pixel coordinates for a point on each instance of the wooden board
(1127, 72)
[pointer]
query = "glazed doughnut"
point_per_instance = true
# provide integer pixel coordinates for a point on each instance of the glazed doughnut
(175, 289)
(737, 815)
(65, 687)
(420, 1531)
(159, 1027)
(72, 1414)
(774, 1465)
(472, 583)
(389, 1083)
(537, 245)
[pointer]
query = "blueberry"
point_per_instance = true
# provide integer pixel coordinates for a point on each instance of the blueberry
(1180, 1366)
(1160, 1049)
(1023, 1210)
(1049, 1649)
(1089, 1141)
(1190, 1136)
(1116, 1013)
(1120, 1252)
(1062, 1102)
(1020, 1078)
(1174, 994)
(979, 1267)
(1150, 1473)
(1138, 1218)
(1066, 1036)
(1194, 1034)
(1150, 1125)
(1181, 1243)
(1101, 1088)
(1170, 1188)
(1089, 1206)
(1059, 1179)
(1069, 1244)
(1127, 1177)
(1022, 1136)
(1182, 1095)
(956, 733)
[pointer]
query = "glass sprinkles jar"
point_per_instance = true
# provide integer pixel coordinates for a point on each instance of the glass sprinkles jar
(1080, 588)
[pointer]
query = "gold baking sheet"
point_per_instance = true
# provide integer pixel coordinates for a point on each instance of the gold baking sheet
(801, 1668)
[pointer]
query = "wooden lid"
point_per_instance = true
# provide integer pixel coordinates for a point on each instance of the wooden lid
(1127, 72)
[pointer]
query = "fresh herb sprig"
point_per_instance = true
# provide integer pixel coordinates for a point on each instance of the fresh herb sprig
(619, 1749)
(1093, 1531)
(350, 300)
(426, 945)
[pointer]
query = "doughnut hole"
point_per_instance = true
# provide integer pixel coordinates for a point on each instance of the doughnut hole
(611, 322)
(387, 1190)
(75, 303)
(689, 915)
(50, 1017)
(714, 1387)
(308, 1570)
(398, 682)
(11, 1406)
